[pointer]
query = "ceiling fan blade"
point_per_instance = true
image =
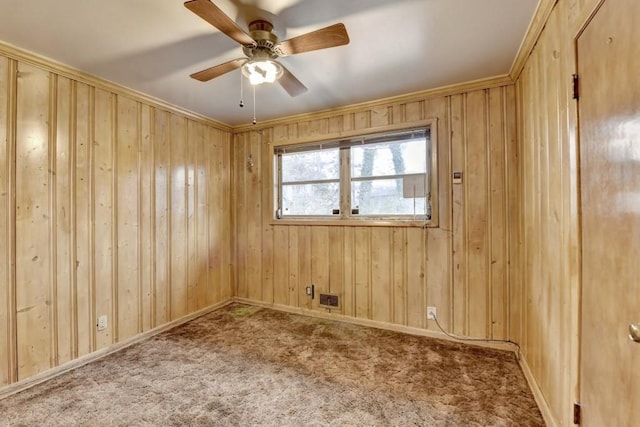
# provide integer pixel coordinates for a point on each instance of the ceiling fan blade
(216, 17)
(291, 84)
(218, 70)
(331, 36)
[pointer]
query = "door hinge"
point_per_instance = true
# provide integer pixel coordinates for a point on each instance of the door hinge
(576, 413)
(576, 86)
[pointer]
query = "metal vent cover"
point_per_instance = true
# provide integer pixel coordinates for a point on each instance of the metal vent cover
(329, 301)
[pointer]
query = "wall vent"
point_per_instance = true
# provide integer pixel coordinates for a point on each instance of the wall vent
(329, 301)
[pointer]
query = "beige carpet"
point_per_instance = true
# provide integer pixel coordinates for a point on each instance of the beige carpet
(245, 366)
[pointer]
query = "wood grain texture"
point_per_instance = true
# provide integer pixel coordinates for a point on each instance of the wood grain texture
(64, 217)
(103, 250)
(178, 215)
(146, 218)
(194, 134)
(127, 219)
(7, 249)
(32, 222)
(610, 218)
(83, 199)
(544, 305)
(105, 209)
(385, 273)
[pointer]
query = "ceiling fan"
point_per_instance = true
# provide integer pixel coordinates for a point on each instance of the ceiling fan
(262, 48)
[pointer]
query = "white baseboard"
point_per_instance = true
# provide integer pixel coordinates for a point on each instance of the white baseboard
(81, 361)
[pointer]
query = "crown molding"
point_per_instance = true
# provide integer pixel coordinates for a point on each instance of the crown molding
(537, 24)
(454, 89)
(22, 55)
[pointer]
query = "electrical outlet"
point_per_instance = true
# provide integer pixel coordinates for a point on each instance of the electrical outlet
(102, 323)
(431, 313)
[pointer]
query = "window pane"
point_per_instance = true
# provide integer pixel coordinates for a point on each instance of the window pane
(389, 158)
(310, 199)
(387, 197)
(311, 165)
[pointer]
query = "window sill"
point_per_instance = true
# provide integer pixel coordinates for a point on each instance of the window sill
(355, 222)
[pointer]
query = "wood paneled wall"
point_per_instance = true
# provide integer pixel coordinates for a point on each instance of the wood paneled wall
(547, 326)
(391, 274)
(109, 205)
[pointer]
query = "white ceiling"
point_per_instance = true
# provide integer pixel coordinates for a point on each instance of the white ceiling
(397, 47)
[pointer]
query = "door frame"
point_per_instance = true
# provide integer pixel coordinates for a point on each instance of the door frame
(582, 22)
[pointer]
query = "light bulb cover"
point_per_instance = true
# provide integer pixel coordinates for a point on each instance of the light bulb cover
(262, 71)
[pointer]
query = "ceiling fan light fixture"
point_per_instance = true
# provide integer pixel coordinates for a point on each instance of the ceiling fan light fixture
(262, 71)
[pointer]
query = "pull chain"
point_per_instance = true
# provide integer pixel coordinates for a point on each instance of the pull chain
(241, 91)
(254, 105)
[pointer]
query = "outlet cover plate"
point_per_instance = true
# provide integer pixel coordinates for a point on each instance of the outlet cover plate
(102, 323)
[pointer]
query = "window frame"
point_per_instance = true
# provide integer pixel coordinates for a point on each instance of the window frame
(347, 139)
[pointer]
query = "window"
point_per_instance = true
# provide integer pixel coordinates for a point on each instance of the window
(376, 177)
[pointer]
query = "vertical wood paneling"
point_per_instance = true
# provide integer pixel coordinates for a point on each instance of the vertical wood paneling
(83, 200)
(381, 288)
(399, 276)
(304, 264)
(293, 258)
(6, 208)
(348, 121)
(544, 307)
(267, 255)
(416, 279)
(336, 263)
(178, 217)
(226, 243)
(63, 229)
(319, 263)
(413, 110)
(348, 294)
(498, 232)
(104, 221)
(146, 218)
(362, 120)
(193, 137)
(194, 277)
(51, 216)
(32, 222)
(513, 216)
(362, 272)
(215, 226)
(103, 224)
(380, 116)
(127, 217)
(391, 274)
(241, 152)
(438, 272)
(477, 213)
(202, 221)
(162, 177)
(219, 223)
(253, 226)
(554, 211)
(281, 265)
(459, 252)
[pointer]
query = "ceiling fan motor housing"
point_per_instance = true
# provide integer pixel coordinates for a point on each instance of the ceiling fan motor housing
(265, 41)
